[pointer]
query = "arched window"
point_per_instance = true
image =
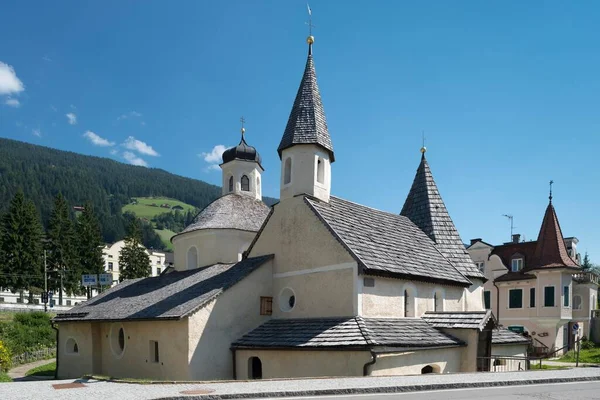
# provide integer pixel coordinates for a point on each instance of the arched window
(320, 170)
(71, 346)
(192, 258)
(438, 300)
(428, 369)
(409, 302)
(254, 368)
(577, 302)
(245, 183)
(231, 184)
(287, 171)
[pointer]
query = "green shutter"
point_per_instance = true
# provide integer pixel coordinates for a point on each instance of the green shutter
(515, 298)
(549, 296)
(487, 299)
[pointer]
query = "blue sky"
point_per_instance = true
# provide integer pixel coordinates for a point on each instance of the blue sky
(507, 93)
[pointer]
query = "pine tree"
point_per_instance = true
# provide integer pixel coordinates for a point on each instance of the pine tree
(586, 264)
(63, 266)
(21, 247)
(134, 261)
(89, 242)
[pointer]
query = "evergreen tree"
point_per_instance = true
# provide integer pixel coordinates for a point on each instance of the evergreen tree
(134, 262)
(63, 268)
(21, 247)
(586, 264)
(89, 242)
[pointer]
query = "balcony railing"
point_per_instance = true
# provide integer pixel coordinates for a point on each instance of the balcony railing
(586, 277)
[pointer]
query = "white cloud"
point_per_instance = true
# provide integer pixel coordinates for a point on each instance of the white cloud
(72, 118)
(36, 132)
(46, 58)
(133, 159)
(214, 157)
(53, 108)
(114, 152)
(131, 114)
(9, 83)
(137, 145)
(12, 102)
(97, 140)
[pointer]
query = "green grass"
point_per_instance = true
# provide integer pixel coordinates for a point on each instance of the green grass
(166, 236)
(4, 377)
(144, 208)
(6, 316)
(42, 370)
(535, 366)
(586, 356)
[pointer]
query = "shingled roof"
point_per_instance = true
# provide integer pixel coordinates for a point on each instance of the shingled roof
(353, 332)
(170, 296)
(458, 320)
(386, 244)
(232, 211)
(426, 209)
(307, 123)
(506, 336)
(550, 251)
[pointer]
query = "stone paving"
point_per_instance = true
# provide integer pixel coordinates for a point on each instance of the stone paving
(92, 389)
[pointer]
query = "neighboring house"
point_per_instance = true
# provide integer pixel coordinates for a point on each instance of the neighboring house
(111, 254)
(537, 287)
(314, 286)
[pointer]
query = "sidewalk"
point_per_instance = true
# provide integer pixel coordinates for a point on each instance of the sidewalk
(92, 389)
(18, 373)
(568, 364)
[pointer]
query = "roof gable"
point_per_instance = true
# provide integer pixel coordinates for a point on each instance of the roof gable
(170, 296)
(384, 243)
(426, 209)
(307, 123)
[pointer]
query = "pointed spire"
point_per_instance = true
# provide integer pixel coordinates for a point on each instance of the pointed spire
(550, 250)
(307, 123)
(426, 209)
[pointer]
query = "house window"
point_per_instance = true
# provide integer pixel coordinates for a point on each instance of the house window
(245, 183)
(577, 302)
(517, 264)
(566, 296)
(158, 271)
(230, 184)
(71, 346)
(266, 305)
(287, 299)
(121, 339)
(110, 266)
(192, 258)
(154, 357)
(68, 302)
(515, 298)
(369, 282)
(438, 301)
(532, 297)
(254, 368)
(287, 171)
(110, 256)
(320, 170)
(549, 296)
(480, 265)
(487, 299)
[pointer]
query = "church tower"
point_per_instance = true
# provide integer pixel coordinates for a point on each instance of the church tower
(305, 150)
(242, 169)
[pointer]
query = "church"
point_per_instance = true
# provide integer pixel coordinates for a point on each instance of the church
(314, 286)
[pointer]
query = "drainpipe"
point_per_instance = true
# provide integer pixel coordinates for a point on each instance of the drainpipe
(57, 346)
(497, 303)
(368, 364)
(234, 366)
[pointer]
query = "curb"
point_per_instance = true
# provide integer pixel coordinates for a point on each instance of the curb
(386, 389)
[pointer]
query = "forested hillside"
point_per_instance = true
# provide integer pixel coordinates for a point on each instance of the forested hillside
(42, 173)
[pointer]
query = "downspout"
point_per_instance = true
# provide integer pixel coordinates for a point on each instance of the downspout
(57, 346)
(497, 304)
(368, 364)
(234, 366)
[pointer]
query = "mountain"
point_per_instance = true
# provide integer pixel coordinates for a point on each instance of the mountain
(43, 172)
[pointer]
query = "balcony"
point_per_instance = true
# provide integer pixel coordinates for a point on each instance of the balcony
(586, 277)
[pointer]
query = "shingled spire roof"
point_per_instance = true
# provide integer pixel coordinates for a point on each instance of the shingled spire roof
(550, 251)
(307, 124)
(426, 209)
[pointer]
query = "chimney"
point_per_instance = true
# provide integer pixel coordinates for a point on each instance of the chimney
(516, 238)
(473, 241)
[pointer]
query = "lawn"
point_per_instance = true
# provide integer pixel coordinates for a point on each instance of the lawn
(145, 209)
(166, 236)
(4, 377)
(42, 370)
(586, 356)
(6, 316)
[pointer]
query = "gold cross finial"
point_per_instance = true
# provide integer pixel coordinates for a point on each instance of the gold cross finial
(423, 148)
(243, 121)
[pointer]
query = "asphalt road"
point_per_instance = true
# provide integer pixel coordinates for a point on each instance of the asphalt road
(558, 391)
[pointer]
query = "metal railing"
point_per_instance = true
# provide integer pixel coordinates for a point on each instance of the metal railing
(509, 363)
(31, 356)
(586, 277)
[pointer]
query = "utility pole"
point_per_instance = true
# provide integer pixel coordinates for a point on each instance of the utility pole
(45, 282)
(60, 294)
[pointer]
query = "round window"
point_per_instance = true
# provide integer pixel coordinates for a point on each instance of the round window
(121, 339)
(117, 340)
(287, 299)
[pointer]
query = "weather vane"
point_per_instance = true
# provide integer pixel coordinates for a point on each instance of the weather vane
(243, 121)
(309, 22)
(550, 197)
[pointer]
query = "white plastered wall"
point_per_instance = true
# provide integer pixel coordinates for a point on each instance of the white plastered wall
(305, 159)
(410, 363)
(237, 169)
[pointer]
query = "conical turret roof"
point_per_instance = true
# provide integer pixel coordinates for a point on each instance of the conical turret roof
(426, 209)
(307, 123)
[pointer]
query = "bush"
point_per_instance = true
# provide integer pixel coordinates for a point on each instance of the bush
(28, 332)
(587, 344)
(5, 357)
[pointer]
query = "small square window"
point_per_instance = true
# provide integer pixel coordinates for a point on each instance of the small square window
(110, 266)
(154, 355)
(369, 282)
(266, 305)
(68, 302)
(480, 265)
(517, 264)
(158, 271)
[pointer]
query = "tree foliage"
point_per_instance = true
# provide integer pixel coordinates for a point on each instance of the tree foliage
(21, 246)
(134, 261)
(62, 251)
(89, 242)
